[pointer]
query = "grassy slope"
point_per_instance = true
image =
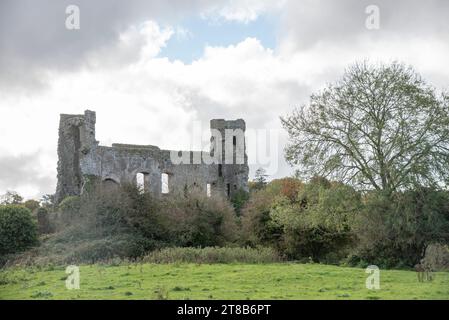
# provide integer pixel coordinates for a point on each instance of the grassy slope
(218, 281)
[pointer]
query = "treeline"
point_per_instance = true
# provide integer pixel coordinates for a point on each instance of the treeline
(330, 222)
(318, 221)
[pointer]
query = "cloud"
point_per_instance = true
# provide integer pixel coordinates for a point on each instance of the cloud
(25, 173)
(114, 66)
(34, 39)
(311, 22)
(142, 41)
(34, 42)
(244, 11)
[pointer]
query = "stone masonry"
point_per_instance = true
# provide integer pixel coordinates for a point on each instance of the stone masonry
(81, 158)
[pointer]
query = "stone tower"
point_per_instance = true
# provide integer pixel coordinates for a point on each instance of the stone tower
(76, 139)
(228, 138)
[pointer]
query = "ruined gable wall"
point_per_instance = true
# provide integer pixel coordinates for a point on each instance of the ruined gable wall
(122, 164)
(81, 156)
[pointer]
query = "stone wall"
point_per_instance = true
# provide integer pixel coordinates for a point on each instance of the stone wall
(81, 156)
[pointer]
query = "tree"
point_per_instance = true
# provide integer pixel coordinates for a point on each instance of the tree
(394, 231)
(18, 231)
(380, 127)
(48, 201)
(260, 179)
(320, 224)
(11, 197)
(239, 199)
(32, 205)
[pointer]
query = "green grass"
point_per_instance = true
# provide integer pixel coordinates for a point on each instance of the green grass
(218, 281)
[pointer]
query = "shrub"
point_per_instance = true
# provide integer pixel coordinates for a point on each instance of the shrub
(257, 224)
(120, 223)
(18, 231)
(286, 187)
(303, 221)
(213, 255)
(239, 199)
(320, 223)
(199, 221)
(69, 208)
(32, 205)
(393, 231)
(437, 257)
(128, 223)
(104, 249)
(125, 214)
(43, 221)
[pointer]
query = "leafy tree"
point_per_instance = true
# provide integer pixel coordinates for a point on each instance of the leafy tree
(257, 225)
(290, 187)
(69, 209)
(43, 221)
(197, 220)
(32, 205)
(11, 197)
(320, 223)
(18, 231)
(239, 199)
(380, 127)
(48, 201)
(394, 231)
(260, 179)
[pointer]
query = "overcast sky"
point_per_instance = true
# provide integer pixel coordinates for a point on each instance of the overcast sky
(154, 69)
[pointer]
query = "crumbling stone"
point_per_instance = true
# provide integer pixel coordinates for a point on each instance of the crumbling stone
(81, 158)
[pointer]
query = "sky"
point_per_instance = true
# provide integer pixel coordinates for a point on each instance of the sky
(154, 70)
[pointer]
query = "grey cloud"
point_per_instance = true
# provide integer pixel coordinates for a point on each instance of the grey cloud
(313, 21)
(34, 40)
(23, 170)
(33, 37)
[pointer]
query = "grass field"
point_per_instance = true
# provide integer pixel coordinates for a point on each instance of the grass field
(218, 281)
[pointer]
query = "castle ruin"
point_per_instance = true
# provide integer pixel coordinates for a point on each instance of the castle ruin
(81, 158)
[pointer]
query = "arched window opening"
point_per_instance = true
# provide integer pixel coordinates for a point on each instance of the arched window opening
(208, 191)
(110, 184)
